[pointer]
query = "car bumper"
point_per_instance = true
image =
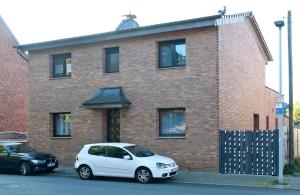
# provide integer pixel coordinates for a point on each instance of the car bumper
(45, 166)
(76, 165)
(165, 173)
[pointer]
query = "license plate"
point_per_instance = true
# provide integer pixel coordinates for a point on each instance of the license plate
(51, 164)
(173, 170)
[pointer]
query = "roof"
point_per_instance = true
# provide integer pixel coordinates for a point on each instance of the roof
(14, 39)
(127, 24)
(209, 21)
(269, 88)
(249, 18)
(110, 144)
(2, 23)
(121, 34)
(107, 98)
(9, 143)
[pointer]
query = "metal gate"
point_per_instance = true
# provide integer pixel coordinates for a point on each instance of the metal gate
(249, 152)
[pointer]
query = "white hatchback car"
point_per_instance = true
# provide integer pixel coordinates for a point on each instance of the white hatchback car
(123, 160)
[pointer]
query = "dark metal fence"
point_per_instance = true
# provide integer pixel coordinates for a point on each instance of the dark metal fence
(249, 152)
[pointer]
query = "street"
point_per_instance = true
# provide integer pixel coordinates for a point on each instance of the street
(41, 184)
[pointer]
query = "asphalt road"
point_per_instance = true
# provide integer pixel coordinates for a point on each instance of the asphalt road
(43, 184)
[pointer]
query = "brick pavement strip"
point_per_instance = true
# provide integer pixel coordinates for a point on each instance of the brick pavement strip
(210, 178)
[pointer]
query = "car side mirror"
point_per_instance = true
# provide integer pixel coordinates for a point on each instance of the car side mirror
(127, 157)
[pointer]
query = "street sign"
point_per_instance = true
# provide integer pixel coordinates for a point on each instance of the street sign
(280, 100)
(279, 105)
(279, 111)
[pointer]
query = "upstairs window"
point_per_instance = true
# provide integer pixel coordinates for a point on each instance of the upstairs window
(62, 65)
(112, 60)
(172, 53)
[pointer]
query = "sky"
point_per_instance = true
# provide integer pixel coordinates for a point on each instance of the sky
(43, 20)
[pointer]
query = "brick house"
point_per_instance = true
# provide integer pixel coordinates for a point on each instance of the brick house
(168, 87)
(13, 83)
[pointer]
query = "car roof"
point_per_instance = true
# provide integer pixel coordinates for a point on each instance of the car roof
(9, 143)
(110, 144)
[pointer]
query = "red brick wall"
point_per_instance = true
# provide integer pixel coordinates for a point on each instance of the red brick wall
(147, 87)
(242, 80)
(13, 70)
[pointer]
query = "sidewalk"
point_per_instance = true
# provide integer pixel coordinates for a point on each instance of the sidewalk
(185, 177)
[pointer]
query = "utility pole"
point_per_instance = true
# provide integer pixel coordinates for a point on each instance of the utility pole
(291, 121)
(280, 101)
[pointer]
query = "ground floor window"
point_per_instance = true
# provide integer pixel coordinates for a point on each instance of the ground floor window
(172, 122)
(62, 124)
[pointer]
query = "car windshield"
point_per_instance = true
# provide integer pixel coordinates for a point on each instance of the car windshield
(139, 151)
(20, 148)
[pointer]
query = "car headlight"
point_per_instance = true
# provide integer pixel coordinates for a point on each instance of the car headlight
(38, 161)
(161, 165)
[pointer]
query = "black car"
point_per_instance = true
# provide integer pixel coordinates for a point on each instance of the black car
(24, 159)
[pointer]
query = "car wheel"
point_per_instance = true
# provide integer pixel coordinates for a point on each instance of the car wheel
(85, 172)
(143, 175)
(25, 168)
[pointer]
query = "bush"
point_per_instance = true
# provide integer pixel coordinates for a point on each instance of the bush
(288, 171)
(297, 165)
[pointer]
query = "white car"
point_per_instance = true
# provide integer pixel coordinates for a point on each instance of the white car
(123, 160)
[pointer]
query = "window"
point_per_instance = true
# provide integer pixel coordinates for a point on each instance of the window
(20, 148)
(172, 122)
(112, 60)
(62, 65)
(139, 151)
(256, 122)
(172, 53)
(267, 122)
(97, 150)
(115, 152)
(3, 150)
(62, 124)
(276, 123)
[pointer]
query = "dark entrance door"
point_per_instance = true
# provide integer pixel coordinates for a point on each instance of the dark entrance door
(113, 125)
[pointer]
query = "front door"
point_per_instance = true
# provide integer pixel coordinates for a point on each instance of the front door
(113, 125)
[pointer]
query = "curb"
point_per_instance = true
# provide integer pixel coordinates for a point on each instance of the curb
(174, 181)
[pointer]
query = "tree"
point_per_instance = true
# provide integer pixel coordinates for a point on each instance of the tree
(297, 112)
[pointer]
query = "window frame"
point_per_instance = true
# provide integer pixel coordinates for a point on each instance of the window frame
(173, 44)
(64, 74)
(54, 129)
(108, 51)
(160, 122)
